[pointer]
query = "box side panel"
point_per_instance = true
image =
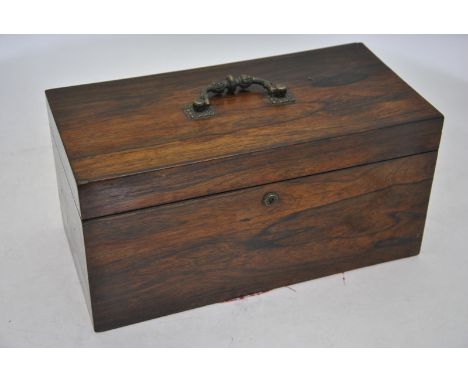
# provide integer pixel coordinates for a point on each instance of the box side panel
(59, 151)
(72, 224)
(254, 169)
(166, 259)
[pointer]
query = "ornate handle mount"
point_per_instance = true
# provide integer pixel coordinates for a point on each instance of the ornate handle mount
(201, 107)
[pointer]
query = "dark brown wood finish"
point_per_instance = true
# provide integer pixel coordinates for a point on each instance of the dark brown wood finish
(71, 222)
(164, 213)
(165, 259)
(210, 177)
(61, 156)
(130, 145)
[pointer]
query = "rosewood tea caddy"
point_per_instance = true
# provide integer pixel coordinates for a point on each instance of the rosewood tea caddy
(194, 187)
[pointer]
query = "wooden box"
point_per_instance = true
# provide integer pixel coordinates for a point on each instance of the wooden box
(172, 200)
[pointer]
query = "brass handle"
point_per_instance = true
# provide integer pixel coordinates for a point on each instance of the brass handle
(270, 198)
(201, 108)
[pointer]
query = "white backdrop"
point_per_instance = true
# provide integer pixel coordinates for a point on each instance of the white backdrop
(420, 301)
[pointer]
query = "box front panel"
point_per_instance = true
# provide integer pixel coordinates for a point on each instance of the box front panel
(174, 257)
(254, 169)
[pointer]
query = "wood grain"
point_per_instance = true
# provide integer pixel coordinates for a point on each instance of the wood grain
(164, 213)
(135, 128)
(72, 224)
(61, 156)
(166, 259)
(210, 177)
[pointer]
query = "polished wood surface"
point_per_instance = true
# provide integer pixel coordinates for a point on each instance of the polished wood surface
(61, 156)
(205, 178)
(121, 128)
(166, 259)
(164, 213)
(71, 222)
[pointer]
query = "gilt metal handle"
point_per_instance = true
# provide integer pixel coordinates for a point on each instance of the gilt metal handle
(201, 107)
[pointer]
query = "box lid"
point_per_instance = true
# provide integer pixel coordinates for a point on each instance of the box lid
(130, 143)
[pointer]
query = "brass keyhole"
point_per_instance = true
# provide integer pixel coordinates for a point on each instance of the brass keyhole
(270, 198)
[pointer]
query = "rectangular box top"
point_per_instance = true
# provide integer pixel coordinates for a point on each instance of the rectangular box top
(117, 129)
